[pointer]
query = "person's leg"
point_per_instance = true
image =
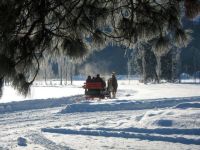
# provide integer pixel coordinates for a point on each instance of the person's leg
(114, 94)
(109, 94)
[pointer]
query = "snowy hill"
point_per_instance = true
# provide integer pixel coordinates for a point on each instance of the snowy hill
(153, 116)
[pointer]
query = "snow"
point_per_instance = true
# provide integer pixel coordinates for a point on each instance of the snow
(143, 116)
(41, 91)
(130, 105)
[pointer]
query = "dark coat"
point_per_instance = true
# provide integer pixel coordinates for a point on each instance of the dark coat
(114, 83)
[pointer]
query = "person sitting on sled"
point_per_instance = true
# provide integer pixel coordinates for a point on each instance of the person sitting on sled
(99, 79)
(89, 79)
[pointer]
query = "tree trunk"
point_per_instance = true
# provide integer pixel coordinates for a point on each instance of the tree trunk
(61, 74)
(71, 77)
(144, 67)
(176, 65)
(178, 71)
(71, 73)
(158, 67)
(129, 70)
(66, 77)
(173, 66)
(45, 76)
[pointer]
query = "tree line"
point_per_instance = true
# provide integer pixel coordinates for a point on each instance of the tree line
(175, 62)
(30, 30)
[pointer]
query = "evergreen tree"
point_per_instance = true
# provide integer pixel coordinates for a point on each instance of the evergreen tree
(144, 62)
(28, 28)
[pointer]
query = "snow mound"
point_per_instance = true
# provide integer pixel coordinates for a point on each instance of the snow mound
(37, 104)
(104, 106)
(149, 115)
(157, 118)
(22, 141)
(125, 105)
(188, 105)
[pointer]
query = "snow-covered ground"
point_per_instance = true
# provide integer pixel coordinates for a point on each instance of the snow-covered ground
(152, 116)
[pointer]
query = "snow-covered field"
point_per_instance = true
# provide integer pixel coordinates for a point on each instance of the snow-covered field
(153, 116)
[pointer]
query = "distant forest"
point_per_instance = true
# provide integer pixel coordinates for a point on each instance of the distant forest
(115, 59)
(118, 59)
(190, 56)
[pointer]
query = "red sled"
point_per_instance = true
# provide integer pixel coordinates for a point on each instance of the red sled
(95, 90)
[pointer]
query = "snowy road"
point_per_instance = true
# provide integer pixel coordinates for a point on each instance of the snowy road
(159, 122)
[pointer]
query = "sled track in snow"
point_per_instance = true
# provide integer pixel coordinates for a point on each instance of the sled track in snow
(39, 139)
(123, 134)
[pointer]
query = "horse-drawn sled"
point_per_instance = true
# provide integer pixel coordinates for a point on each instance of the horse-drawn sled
(95, 90)
(96, 87)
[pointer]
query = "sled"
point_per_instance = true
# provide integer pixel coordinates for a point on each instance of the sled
(95, 90)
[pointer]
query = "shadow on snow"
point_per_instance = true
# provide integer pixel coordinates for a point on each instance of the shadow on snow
(142, 134)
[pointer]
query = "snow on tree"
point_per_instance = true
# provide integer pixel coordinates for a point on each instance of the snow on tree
(28, 28)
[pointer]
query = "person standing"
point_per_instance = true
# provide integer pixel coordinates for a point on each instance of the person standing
(114, 85)
(110, 87)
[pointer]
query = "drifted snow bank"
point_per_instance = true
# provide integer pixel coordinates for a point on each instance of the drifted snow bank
(37, 104)
(183, 121)
(132, 105)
